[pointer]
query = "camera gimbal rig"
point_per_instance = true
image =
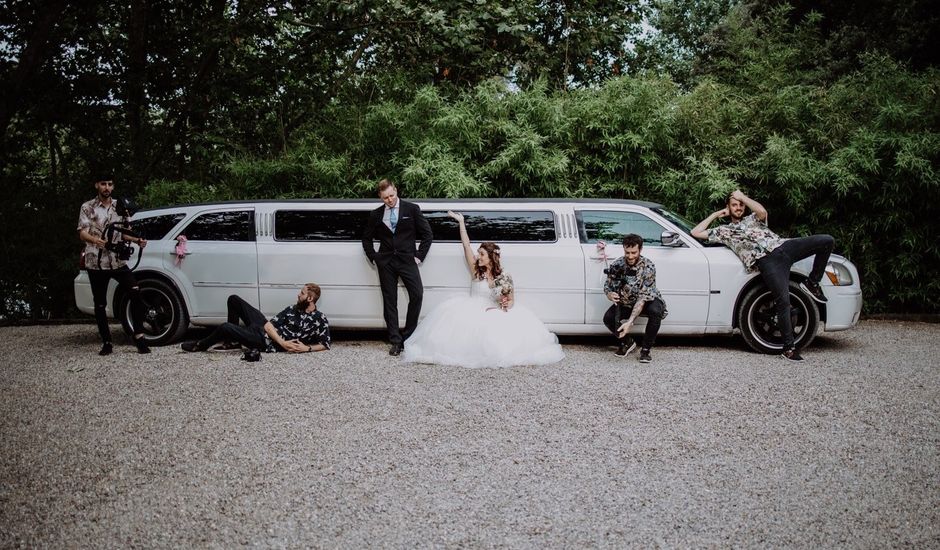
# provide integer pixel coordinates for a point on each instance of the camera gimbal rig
(619, 273)
(125, 208)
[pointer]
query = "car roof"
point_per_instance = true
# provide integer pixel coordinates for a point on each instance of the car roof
(377, 202)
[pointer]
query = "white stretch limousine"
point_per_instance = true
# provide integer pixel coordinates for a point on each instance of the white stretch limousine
(264, 251)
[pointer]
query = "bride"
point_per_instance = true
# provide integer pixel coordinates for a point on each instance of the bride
(486, 328)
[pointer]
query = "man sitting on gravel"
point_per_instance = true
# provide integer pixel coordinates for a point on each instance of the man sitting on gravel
(300, 328)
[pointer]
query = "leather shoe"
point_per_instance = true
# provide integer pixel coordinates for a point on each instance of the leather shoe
(396, 350)
(192, 345)
(141, 345)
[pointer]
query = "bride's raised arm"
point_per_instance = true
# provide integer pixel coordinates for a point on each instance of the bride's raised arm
(465, 239)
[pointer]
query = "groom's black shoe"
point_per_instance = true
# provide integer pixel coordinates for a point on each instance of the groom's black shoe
(396, 350)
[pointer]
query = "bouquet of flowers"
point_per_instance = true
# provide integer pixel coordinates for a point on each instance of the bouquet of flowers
(504, 283)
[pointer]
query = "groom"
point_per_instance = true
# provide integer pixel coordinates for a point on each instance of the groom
(396, 225)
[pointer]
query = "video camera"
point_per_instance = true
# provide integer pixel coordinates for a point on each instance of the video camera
(125, 207)
(620, 272)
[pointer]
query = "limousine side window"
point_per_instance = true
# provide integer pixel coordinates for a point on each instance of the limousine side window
(496, 225)
(155, 228)
(222, 226)
(319, 225)
(611, 226)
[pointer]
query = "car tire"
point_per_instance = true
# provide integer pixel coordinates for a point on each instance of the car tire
(165, 317)
(757, 319)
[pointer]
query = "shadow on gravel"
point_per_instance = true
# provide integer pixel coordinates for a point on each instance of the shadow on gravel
(357, 338)
(712, 341)
(830, 343)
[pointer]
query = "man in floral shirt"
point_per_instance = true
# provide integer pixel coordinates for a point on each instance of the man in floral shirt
(102, 264)
(760, 248)
(299, 328)
(631, 286)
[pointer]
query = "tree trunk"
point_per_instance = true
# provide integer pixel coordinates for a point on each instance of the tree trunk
(34, 55)
(136, 103)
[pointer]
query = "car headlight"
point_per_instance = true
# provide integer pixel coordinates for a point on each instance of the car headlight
(838, 274)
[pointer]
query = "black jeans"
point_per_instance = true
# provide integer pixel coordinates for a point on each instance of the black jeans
(251, 335)
(653, 311)
(406, 269)
(99, 280)
(775, 270)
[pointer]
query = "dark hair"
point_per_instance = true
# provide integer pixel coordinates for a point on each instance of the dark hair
(496, 268)
(384, 184)
(728, 201)
(313, 288)
(632, 240)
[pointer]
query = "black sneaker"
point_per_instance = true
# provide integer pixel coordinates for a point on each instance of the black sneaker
(645, 356)
(192, 345)
(792, 355)
(106, 349)
(814, 290)
(623, 349)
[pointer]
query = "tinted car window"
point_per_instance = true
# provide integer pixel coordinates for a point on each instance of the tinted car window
(610, 226)
(155, 228)
(502, 226)
(222, 226)
(319, 225)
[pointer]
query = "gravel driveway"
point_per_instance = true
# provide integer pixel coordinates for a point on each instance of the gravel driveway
(710, 445)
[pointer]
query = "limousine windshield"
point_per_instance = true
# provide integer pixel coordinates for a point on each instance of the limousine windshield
(676, 219)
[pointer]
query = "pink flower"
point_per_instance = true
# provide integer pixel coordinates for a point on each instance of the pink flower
(180, 250)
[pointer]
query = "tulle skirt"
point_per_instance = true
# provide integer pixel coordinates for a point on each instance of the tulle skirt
(470, 331)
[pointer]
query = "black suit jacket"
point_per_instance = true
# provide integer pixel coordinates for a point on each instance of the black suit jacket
(412, 226)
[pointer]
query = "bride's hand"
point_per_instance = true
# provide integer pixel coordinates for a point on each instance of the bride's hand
(456, 215)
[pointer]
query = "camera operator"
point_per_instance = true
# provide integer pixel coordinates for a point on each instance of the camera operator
(104, 263)
(631, 286)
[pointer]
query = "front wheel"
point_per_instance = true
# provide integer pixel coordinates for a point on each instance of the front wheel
(757, 318)
(165, 318)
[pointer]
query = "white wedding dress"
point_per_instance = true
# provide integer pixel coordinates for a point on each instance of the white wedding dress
(472, 331)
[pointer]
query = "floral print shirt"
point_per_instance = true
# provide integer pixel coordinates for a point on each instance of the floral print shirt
(293, 324)
(749, 238)
(633, 283)
(95, 217)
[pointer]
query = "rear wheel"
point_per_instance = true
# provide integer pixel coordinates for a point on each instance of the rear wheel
(165, 318)
(757, 317)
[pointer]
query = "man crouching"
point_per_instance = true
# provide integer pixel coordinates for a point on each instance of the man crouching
(299, 328)
(631, 286)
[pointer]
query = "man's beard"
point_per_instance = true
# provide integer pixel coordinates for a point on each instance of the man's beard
(301, 305)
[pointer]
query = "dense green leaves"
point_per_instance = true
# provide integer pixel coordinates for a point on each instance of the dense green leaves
(267, 98)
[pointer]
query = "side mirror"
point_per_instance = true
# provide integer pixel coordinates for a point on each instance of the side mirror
(670, 238)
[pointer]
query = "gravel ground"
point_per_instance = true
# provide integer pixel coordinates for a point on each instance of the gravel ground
(709, 445)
